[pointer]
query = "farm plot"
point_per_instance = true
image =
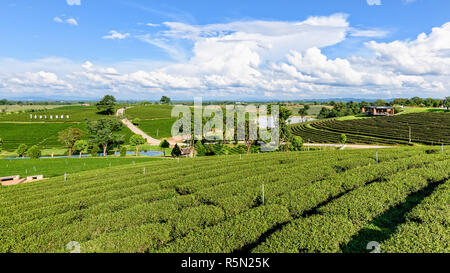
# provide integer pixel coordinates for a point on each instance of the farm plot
(426, 128)
(43, 134)
(50, 167)
(157, 128)
(149, 112)
(75, 113)
(214, 204)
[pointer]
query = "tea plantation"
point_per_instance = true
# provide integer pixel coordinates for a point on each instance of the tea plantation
(215, 204)
(425, 128)
(39, 133)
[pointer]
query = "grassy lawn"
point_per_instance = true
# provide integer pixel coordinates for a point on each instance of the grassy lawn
(58, 166)
(157, 128)
(409, 110)
(76, 113)
(149, 112)
(352, 117)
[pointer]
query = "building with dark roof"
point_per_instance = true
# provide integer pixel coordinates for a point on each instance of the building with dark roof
(378, 110)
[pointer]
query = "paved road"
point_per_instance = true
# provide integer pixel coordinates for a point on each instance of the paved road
(136, 130)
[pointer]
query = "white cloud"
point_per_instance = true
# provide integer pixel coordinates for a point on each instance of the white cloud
(70, 21)
(152, 25)
(58, 20)
(428, 54)
(113, 35)
(73, 2)
(373, 2)
(270, 39)
(250, 60)
(371, 33)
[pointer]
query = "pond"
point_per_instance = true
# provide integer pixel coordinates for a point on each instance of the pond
(147, 153)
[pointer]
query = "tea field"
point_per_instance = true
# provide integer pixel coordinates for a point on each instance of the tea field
(215, 204)
(50, 167)
(39, 133)
(426, 128)
(76, 114)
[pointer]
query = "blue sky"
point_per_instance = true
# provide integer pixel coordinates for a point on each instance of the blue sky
(224, 49)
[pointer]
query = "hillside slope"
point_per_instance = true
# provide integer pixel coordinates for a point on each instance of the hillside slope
(425, 128)
(214, 204)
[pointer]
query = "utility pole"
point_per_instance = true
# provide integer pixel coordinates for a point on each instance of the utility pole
(263, 192)
(409, 134)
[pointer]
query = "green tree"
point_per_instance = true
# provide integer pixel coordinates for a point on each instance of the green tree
(81, 146)
(164, 144)
(69, 136)
(200, 148)
(1, 144)
(297, 143)
(343, 138)
(22, 150)
(106, 105)
(103, 132)
(302, 112)
(176, 151)
(209, 150)
(285, 133)
(447, 102)
(94, 150)
(123, 151)
(380, 102)
(164, 100)
(34, 152)
(136, 140)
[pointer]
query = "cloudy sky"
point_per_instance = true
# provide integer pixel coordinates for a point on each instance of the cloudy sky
(230, 49)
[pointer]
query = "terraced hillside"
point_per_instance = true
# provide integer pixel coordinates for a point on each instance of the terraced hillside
(214, 204)
(426, 128)
(43, 134)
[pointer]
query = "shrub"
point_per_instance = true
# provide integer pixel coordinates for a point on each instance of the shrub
(136, 121)
(176, 151)
(95, 150)
(123, 151)
(209, 150)
(297, 143)
(200, 148)
(34, 152)
(21, 150)
(164, 144)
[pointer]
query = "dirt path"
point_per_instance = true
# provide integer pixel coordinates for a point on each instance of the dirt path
(355, 146)
(136, 130)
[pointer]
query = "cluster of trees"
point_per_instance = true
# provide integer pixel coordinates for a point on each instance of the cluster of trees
(164, 100)
(341, 109)
(33, 152)
(19, 102)
(428, 102)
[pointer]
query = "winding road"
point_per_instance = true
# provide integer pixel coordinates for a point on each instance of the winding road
(135, 129)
